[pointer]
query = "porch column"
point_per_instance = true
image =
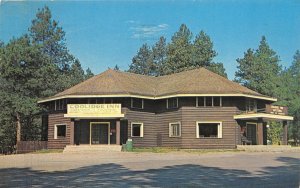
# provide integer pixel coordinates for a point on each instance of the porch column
(118, 132)
(285, 132)
(260, 136)
(72, 132)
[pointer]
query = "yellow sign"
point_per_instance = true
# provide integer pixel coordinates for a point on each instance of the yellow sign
(94, 110)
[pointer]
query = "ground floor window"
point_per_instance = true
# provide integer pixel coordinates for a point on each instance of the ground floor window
(209, 129)
(60, 131)
(137, 130)
(175, 129)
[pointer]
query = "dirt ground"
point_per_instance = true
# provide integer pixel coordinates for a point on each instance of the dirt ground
(175, 169)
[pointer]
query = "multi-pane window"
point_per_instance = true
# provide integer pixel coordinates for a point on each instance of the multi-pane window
(251, 105)
(60, 104)
(60, 131)
(137, 130)
(209, 130)
(175, 129)
(137, 103)
(209, 101)
(172, 103)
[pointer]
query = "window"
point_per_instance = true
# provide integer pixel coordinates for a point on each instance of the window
(60, 131)
(137, 130)
(137, 103)
(209, 129)
(172, 103)
(60, 104)
(251, 105)
(175, 129)
(208, 101)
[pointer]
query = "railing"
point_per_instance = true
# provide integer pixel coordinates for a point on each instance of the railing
(269, 109)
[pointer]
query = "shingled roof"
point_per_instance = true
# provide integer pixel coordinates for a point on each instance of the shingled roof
(188, 83)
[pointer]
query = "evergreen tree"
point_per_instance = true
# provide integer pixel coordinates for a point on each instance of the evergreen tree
(46, 32)
(116, 67)
(259, 70)
(203, 52)
(159, 56)
(143, 63)
(178, 55)
(76, 73)
(88, 73)
(179, 51)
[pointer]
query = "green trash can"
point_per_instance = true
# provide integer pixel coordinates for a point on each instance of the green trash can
(129, 145)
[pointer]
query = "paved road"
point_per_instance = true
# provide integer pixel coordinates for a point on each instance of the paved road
(179, 169)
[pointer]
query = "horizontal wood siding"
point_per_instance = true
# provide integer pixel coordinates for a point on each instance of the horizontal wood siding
(190, 115)
(150, 127)
(58, 143)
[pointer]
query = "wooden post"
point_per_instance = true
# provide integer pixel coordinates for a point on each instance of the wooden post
(260, 137)
(72, 132)
(118, 132)
(285, 132)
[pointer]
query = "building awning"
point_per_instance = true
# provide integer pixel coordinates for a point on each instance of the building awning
(265, 116)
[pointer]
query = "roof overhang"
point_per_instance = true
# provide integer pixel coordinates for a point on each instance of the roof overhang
(262, 115)
(157, 97)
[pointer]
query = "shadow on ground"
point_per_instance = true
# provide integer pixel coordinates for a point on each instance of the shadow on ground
(189, 175)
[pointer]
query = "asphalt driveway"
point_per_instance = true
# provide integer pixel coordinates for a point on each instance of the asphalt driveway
(178, 169)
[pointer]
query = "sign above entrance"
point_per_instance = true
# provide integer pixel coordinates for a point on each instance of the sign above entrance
(94, 111)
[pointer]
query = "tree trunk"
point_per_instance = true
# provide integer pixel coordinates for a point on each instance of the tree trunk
(18, 128)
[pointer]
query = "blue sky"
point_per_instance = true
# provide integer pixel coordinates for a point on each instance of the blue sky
(102, 34)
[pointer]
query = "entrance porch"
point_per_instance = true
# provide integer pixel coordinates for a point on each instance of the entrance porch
(100, 132)
(253, 124)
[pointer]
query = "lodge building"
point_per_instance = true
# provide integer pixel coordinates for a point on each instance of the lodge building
(191, 109)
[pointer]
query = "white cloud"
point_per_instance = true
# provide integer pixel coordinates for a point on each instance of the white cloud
(147, 31)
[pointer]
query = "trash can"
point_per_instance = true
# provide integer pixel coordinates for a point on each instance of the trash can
(129, 145)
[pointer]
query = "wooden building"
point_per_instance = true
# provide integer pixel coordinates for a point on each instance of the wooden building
(191, 109)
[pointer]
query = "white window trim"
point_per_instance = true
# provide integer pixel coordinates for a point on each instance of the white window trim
(141, 129)
(220, 127)
(170, 129)
(55, 130)
(221, 102)
(137, 107)
(168, 103)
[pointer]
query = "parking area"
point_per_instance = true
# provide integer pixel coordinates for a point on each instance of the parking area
(175, 169)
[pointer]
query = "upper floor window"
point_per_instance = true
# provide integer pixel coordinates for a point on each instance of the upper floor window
(209, 101)
(251, 105)
(60, 104)
(172, 103)
(137, 103)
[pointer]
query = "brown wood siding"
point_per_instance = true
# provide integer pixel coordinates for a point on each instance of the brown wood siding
(190, 115)
(58, 143)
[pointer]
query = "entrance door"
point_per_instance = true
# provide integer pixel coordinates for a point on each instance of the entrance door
(99, 133)
(251, 133)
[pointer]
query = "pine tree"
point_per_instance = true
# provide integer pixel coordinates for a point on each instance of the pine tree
(259, 70)
(143, 63)
(88, 73)
(159, 56)
(179, 53)
(203, 52)
(116, 68)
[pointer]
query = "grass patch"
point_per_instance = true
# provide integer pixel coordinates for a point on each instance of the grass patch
(210, 150)
(47, 151)
(155, 149)
(167, 150)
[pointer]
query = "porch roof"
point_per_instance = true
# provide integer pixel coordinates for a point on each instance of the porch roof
(266, 116)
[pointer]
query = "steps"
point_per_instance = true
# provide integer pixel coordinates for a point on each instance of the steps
(91, 148)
